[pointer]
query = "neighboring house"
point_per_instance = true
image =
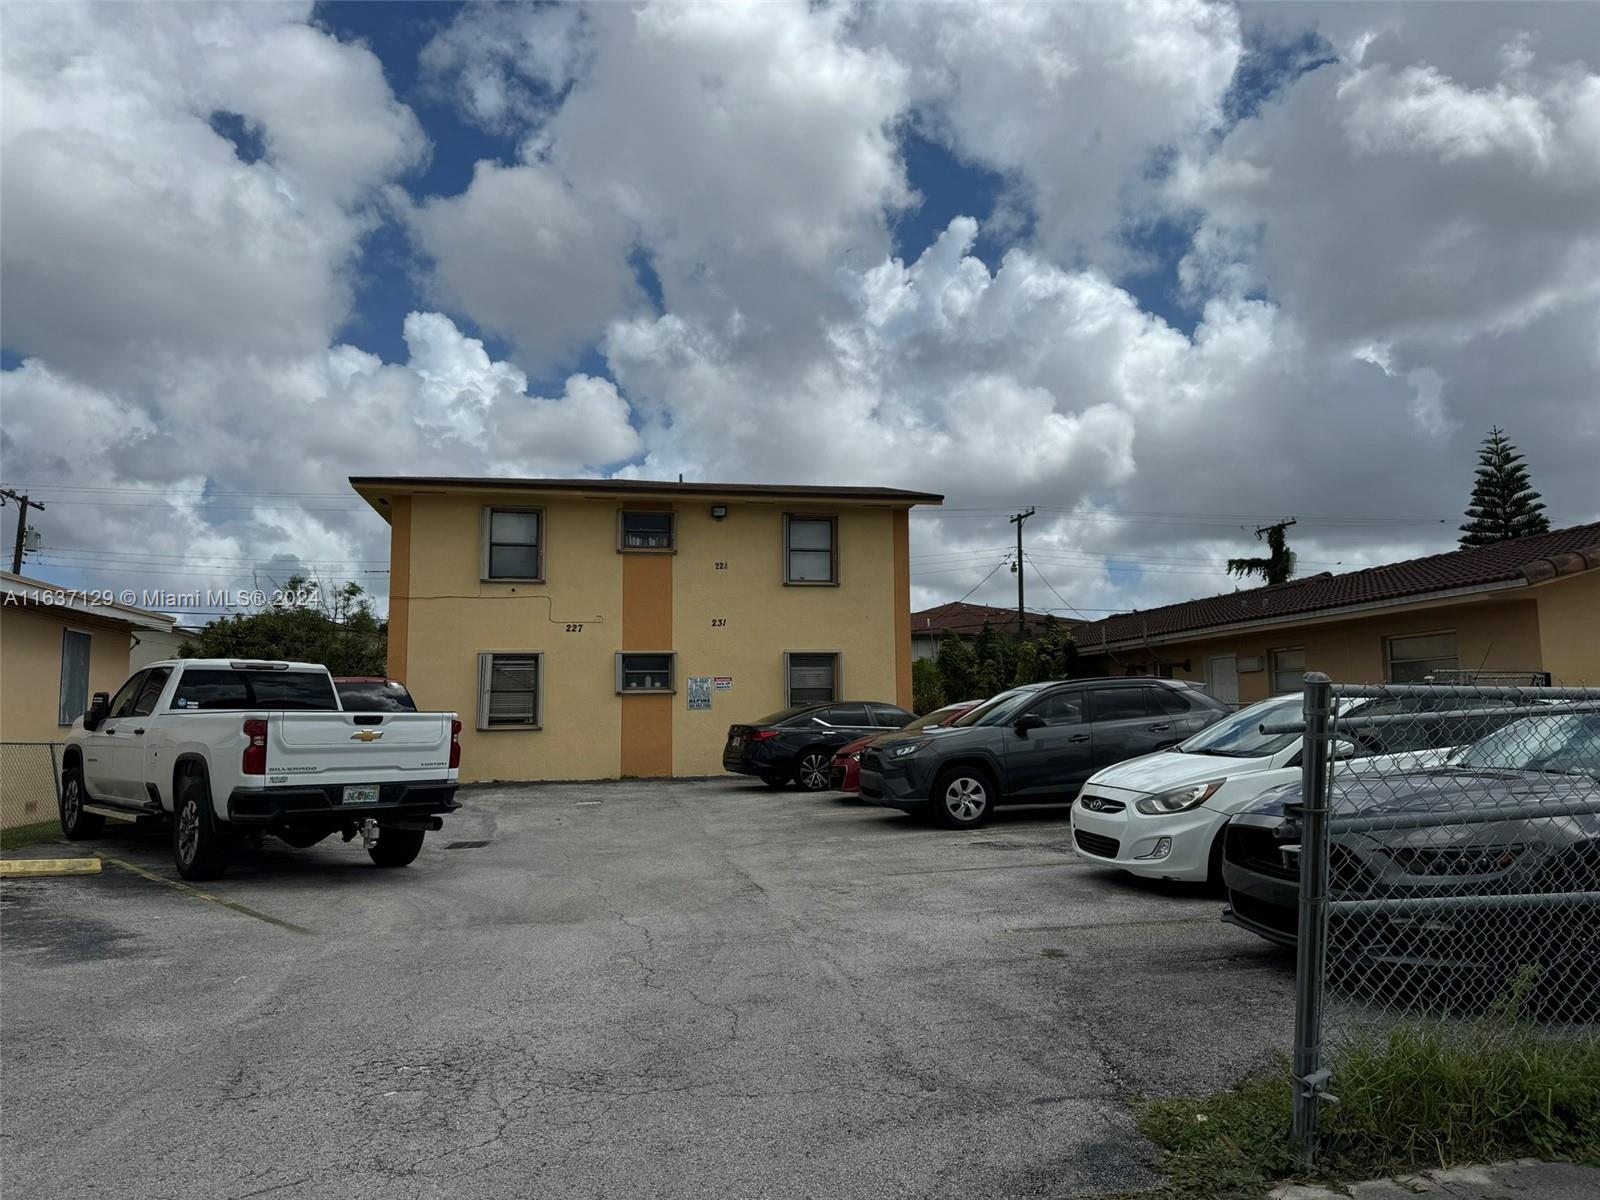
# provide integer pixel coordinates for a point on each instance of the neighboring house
(159, 645)
(597, 628)
(56, 650)
(1515, 609)
(930, 625)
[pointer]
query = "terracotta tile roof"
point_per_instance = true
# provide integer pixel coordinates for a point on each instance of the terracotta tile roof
(959, 617)
(1533, 559)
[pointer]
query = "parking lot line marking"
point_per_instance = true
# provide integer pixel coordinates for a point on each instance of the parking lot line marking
(1111, 925)
(1065, 862)
(49, 866)
(179, 886)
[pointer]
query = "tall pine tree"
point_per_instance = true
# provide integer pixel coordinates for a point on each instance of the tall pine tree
(1278, 566)
(1504, 504)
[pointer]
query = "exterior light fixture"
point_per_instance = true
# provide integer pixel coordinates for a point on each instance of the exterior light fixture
(718, 511)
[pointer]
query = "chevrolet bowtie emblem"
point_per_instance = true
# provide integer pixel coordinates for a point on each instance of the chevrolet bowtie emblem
(367, 735)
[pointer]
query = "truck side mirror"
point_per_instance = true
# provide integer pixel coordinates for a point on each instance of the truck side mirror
(1028, 721)
(99, 710)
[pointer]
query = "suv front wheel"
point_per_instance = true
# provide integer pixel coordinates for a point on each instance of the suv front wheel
(963, 798)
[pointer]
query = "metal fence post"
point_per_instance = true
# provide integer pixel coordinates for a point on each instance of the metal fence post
(1316, 757)
(55, 773)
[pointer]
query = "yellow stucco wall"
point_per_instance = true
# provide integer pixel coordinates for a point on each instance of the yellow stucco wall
(30, 668)
(1569, 629)
(1491, 634)
(726, 605)
(30, 693)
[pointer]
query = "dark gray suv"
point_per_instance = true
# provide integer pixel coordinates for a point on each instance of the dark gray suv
(1035, 744)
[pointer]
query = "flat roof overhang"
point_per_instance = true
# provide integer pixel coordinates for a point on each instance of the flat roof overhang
(376, 490)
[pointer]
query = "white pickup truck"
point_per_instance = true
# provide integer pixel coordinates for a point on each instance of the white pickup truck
(229, 747)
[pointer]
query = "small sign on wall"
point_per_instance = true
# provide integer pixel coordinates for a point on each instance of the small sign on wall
(699, 692)
(723, 683)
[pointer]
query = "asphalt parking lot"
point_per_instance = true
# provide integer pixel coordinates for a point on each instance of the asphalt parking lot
(685, 989)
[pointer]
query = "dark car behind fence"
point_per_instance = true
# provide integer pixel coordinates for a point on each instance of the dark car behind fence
(1459, 886)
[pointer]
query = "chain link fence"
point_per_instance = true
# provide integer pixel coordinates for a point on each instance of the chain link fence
(1439, 862)
(30, 774)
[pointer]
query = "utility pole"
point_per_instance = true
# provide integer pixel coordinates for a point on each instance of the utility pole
(23, 505)
(1017, 520)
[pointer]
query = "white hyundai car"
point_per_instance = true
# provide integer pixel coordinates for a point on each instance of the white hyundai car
(1162, 815)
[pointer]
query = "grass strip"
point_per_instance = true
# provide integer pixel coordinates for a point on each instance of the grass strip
(28, 835)
(1419, 1096)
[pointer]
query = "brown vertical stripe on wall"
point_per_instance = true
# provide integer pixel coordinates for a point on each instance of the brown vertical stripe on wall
(399, 584)
(902, 607)
(647, 625)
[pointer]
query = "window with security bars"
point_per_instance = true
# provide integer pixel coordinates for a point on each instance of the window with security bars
(813, 678)
(1417, 659)
(647, 531)
(508, 691)
(1288, 670)
(511, 544)
(810, 550)
(644, 673)
(74, 694)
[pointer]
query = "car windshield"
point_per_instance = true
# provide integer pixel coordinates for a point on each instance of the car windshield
(374, 696)
(1240, 736)
(939, 716)
(1566, 744)
(1000, 709)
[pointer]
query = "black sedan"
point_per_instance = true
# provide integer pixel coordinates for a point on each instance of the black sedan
(1460, 874)
(797, 744)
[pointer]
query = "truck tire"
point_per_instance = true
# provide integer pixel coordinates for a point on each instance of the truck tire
(198, 846)
(397, 847)
(75, 823)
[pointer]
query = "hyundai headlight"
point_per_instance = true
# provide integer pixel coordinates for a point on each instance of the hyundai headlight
(1179, 799)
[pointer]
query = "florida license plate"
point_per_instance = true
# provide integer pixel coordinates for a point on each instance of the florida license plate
(361, 793)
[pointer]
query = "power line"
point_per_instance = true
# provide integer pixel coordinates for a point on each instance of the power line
(984, 580)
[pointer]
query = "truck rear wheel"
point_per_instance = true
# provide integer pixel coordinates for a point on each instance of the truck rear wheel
(397, 847)
(198, 846)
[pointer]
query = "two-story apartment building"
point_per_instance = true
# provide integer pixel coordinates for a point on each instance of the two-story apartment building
(600, 628)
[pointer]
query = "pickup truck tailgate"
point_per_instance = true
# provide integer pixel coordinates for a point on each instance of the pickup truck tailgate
(337, 747)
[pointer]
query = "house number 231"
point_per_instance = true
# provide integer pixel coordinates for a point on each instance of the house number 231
(718, 622)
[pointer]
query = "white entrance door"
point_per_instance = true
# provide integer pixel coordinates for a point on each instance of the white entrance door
(1222, 677)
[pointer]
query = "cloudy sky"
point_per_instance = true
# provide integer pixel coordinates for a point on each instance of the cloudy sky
(1166, 271)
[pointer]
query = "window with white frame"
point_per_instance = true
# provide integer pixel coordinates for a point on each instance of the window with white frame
(645, 673)
(812, 678)
(513, 544)
(646, 531)
(508, 691)
(1413, 659)
(1288, 670)
(810, 550)
(74, 694)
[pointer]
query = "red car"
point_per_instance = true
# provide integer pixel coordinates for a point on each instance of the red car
(845, 770)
